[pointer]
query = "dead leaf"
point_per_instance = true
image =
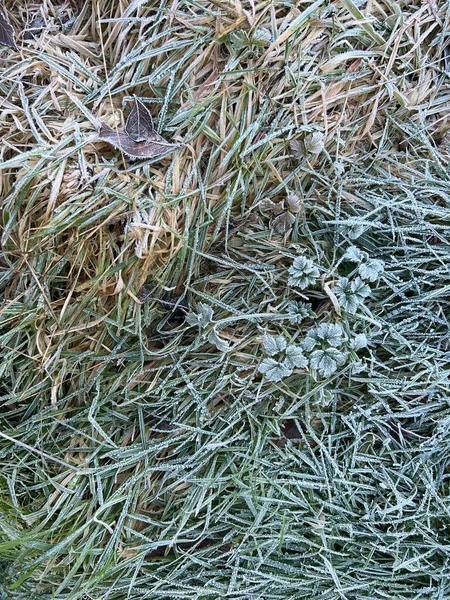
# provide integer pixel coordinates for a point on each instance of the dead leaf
(139, 139)
(6, 32)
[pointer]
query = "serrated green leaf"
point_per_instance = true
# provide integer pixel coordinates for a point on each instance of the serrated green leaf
(295, 358)
(274, 370)
(274, 344)
(327, 361)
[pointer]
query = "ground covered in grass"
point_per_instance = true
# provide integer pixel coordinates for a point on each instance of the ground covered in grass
(225, 372)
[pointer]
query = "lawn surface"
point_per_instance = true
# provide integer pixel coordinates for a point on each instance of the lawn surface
(224, 372)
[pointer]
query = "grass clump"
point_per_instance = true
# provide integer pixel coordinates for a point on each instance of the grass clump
(225, 372)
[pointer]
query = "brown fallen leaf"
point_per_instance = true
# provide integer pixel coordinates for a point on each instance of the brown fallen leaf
(139, 138)
(6, 32)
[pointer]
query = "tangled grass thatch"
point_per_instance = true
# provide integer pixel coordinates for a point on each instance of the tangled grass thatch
(225, 372)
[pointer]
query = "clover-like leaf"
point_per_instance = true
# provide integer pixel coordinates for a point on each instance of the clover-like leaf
(205, 314)
(325, 334)
(360, 289)
(218, 342)
(294, 203)
(274, 370)
(203, 317)
(268, 207)
(359, 341)
(309, 343)
(283, 222)
(259, 39)
(297, 149)
(344, 294)
(295, 357)
(354, 254)
(262, 37)
(299, 311)
(351, 294)
(339, 167)
(315, 142)
(353, 230)
(371, 270)
(357, 367)
(192, 319)
(239, 40)
(330, 333)
(274, 344)
(326, 362)
(303, 273)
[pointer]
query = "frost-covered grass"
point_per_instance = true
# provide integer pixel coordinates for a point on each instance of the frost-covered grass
(225, 373)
